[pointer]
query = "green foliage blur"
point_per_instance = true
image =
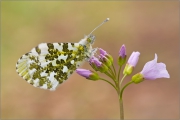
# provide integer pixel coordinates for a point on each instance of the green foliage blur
(146, 26)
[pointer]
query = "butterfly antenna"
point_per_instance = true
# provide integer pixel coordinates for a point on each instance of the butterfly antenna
(107, 19)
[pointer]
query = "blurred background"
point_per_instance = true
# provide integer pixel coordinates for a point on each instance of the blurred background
(146, 26)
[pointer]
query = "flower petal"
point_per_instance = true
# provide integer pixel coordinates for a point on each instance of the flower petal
(149, 65)
(122, 51)
(83, 72)
(163, 73)
(133, 59)
(153, 70)
(103, 52)
(96, 62)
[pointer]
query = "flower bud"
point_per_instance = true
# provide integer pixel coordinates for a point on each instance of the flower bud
(97, 65)
(91, 62)
(137, 78)
(128, 69)
(88, 74)
(132, 61)
(104, 53)
(103, 68)
(105, 60)
(122, 55)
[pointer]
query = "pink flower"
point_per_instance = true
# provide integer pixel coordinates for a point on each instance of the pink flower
(153, 70)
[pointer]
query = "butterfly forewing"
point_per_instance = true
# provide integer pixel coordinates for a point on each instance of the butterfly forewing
(49, 64)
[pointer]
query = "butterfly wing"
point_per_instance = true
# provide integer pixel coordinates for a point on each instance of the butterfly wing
(50, 64)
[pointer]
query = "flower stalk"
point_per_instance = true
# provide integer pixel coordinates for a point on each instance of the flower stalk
(151, 71)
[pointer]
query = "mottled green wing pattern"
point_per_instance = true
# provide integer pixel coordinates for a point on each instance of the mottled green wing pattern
(50, 64)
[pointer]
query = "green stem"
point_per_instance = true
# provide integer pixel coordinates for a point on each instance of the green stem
(109, 75)
(122, 80)
(124, 88)
(119, 72)
(108, 82)
(113, 74)
(121, 108)
(118, 91)
(121, 100)
(114, 69)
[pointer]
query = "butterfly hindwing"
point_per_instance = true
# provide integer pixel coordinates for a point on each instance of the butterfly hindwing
(49, 64)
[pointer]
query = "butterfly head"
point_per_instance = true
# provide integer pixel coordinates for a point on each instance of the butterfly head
(90, 39)
(87, 40)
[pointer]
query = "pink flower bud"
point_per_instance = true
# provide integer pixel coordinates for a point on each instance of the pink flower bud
(88, 74)
(122, 55)
(132, 61)
(122, 51)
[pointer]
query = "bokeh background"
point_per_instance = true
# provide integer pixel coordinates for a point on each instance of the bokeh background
(146, 26)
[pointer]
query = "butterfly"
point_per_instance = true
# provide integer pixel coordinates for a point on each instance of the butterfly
(50, 64)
